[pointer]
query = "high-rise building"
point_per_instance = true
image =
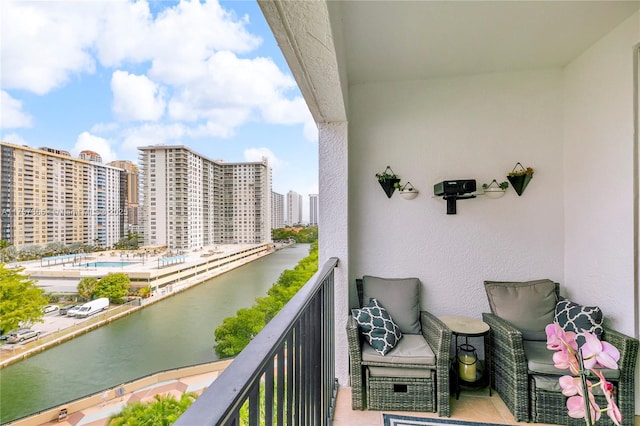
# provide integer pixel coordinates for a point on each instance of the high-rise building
(48, 196)
(190, 201)
(294, 208)
(313, 209)
(277, 210)
(132, 188)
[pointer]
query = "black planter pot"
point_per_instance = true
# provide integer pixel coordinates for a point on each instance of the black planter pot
(389, 186)
(520, 182)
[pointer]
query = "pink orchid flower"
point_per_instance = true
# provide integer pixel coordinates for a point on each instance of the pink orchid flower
(575, 405)
(607, 389)
(601, 353)
(570, 385)
(563, 359)
(558, 339)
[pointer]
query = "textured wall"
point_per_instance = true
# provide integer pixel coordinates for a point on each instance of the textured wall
(467, 127)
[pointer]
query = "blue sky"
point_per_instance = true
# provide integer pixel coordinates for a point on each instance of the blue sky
(113, 75)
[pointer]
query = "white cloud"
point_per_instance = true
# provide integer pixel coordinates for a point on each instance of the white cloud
(136, 98)
(13, 138)
(151, 134)
(42, 43)
(87, 141)
(11, 114)
(257, 154)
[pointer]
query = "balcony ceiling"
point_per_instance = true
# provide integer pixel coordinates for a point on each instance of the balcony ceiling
(409, 40)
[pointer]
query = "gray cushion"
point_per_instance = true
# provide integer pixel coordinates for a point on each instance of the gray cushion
(529, 305)
(411, 349)
(417, 373)
(540, 361)
(377, 326)
(552, 384)
(399, 296)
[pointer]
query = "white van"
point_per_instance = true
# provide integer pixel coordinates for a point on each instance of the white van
(92, 307)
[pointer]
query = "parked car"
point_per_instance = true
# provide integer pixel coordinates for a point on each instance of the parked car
(50, 308)
(22, 334)
(6, 336)
(65, 309)
(73, 311)
(93, 307)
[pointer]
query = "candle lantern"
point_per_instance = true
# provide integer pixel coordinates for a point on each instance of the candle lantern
(467, 362)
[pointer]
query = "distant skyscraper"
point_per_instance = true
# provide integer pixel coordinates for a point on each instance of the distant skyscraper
(190, 201)
(131, 199)
(313, 209)
(294, 208)
(277, 210)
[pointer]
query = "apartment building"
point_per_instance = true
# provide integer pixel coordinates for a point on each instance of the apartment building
(313, 209)
(277, 210)
(294, 208)
(131, 195)
(190, 201)
(48, 196)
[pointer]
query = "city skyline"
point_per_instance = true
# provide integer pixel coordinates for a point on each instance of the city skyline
(208, 75)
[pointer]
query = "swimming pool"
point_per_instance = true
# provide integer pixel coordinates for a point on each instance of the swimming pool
(108, 264)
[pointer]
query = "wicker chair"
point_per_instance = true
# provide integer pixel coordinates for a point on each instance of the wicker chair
(530, 389)
(397, 381)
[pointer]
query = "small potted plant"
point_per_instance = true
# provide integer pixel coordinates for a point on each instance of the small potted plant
(407, 191)
(495, 189)
(520, 178)
(388, 180)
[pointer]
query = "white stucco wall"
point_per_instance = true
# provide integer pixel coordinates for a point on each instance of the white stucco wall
(599, 184)
(334, 224)
(474, 127)
(598, 157)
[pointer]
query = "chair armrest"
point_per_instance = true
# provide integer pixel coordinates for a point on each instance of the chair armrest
(509, 365)
(438, 336)
(354, 342)
(628, 348)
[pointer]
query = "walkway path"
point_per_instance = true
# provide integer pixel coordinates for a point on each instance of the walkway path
(95, 410)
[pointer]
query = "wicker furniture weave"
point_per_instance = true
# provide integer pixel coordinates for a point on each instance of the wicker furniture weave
(512, 381)
(417, 393)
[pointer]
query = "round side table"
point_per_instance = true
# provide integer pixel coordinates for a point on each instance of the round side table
(466, 368)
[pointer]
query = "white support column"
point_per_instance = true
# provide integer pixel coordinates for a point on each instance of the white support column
(334, 228)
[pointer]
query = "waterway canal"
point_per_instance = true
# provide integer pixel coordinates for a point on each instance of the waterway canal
(175, 332)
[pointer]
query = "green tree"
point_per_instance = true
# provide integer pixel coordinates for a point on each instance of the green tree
(235, 333)
(4, 245)
(115, 286)
(163, 411)
(21, 301)
(87, 286)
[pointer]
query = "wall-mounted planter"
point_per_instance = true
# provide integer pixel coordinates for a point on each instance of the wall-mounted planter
(408, 191)
(520, 178)
(388, 180)
(494, 189)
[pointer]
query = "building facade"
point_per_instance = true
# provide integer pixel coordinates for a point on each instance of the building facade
(294, 208)
(313, 209)
(190, 201)
(132, 199)
(48, 196)
(277, 210)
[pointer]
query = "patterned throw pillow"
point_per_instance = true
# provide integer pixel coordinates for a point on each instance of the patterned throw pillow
(377, 326)
(574, 317)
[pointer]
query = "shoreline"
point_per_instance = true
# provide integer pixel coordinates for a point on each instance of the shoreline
(176, 286)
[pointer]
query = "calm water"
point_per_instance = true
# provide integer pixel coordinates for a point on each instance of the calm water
(175, 332)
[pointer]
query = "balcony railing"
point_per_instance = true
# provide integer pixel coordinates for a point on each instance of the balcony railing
(286, 375)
